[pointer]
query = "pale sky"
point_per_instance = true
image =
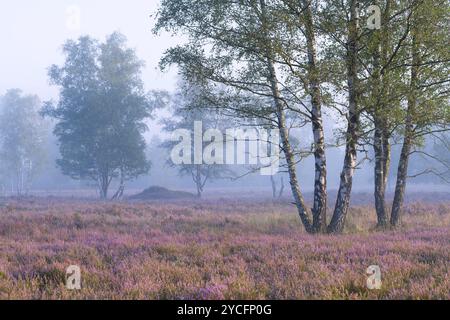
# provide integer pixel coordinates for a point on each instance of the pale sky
(32, 33)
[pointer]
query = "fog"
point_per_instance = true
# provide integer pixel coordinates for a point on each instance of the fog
(32, 34)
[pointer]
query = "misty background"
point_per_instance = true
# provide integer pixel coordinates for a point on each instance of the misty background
(33, 33)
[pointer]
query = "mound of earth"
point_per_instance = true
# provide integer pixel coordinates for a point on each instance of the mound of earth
(160, 193)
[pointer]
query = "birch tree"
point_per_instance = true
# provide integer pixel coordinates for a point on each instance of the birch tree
(252, 47)
(346, 34)
(427, 109)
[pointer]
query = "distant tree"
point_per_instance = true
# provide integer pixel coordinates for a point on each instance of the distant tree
(277, 194)
(101, 112)
(442, 155)
(185, 113)
(22, 139)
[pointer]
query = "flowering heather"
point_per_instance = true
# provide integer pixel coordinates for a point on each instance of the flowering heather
(215, 250)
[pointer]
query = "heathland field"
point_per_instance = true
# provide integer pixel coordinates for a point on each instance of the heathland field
(221, 249)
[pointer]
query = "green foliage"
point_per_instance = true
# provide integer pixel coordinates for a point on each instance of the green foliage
(101, 112)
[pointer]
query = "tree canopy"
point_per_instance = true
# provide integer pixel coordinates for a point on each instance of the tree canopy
(101, 111)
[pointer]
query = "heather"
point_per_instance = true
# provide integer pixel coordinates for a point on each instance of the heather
(216, 249)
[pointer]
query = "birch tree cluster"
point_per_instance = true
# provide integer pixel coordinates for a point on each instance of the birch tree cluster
(277, 61)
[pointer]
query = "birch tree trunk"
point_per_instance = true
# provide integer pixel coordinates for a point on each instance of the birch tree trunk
(381, 144)
(197, 176)
(319, 210)
(346, 180)
(402, 173)
(274, 187)
(382, 150)
(401, 178)
(380, 175)
(378, 146)
(287, 149)
(387, 149)
(282, 126)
